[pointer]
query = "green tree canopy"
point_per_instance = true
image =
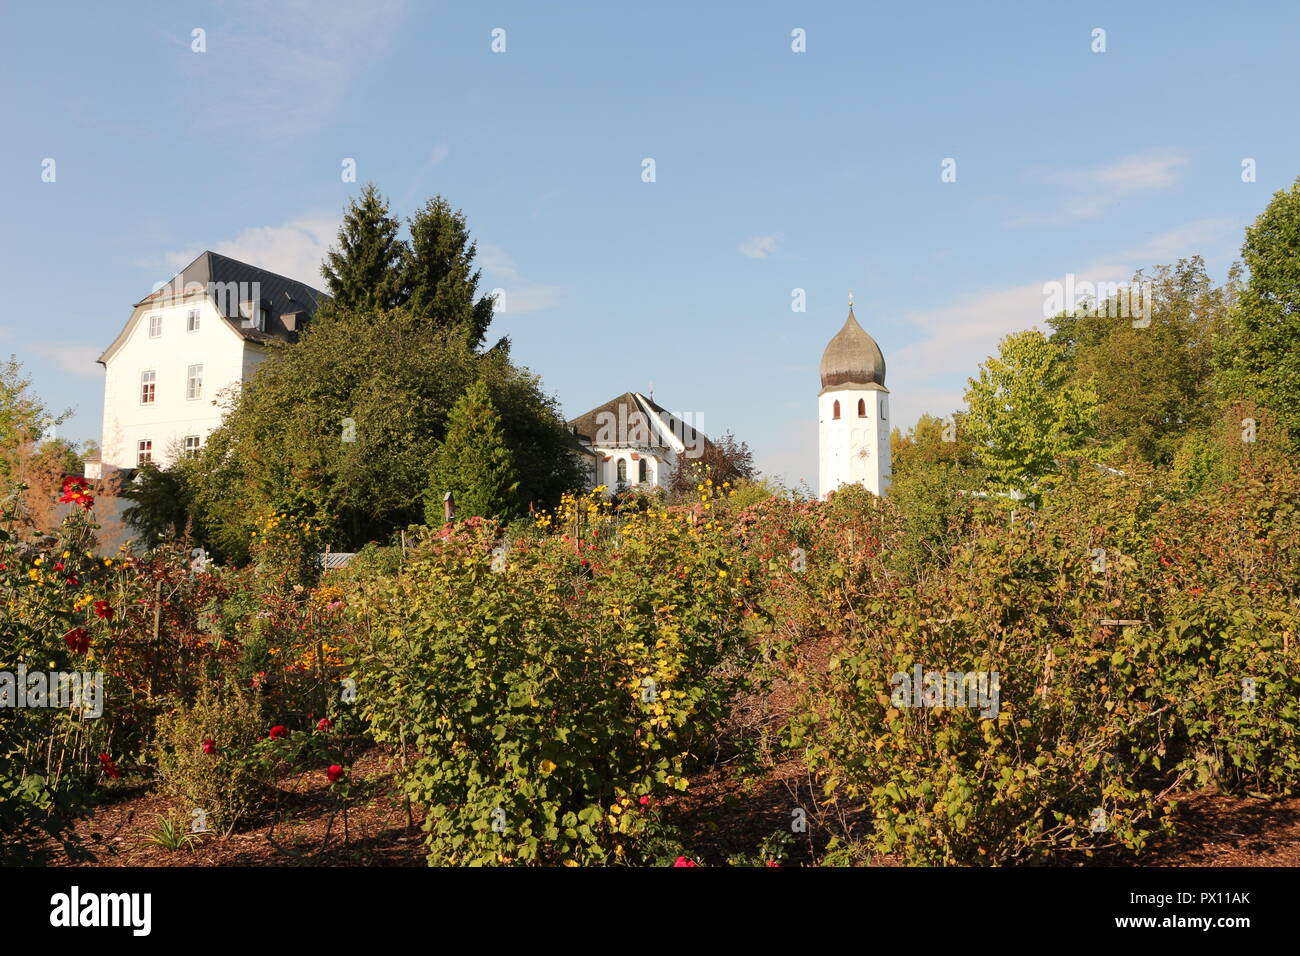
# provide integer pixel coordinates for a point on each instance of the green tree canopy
(1025, 415)
(1261, 354)
(344, 425)
(1153, 371)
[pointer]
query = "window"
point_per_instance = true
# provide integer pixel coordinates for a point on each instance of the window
(192, 320)
(194, 382)
(862, 408)
(622, 471)
(143, 452)
(148, 387)
(155, 326)
(835, 411)
(882, 411)
(191, 445)
(643, 472)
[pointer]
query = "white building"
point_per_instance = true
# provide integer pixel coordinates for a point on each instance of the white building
(203, 332)
(630, 442)
(853, 413)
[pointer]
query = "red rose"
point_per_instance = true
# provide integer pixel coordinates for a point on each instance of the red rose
(78, 640)
(334, 773)
(325, 724)
(209, 746)
(682, 861)
(278, 731)
(104, 609)
(107, 763)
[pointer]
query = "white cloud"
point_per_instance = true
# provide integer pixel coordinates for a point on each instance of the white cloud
(759, 247)
(521, 295)
(281, 68)
(73, 359)
(295, 249)
(1102, 187)
(440, 152)
(956, 337)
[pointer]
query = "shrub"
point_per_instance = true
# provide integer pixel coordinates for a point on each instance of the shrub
(232, 781)
(536, 724)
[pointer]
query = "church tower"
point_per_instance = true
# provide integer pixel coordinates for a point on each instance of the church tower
(853, 412)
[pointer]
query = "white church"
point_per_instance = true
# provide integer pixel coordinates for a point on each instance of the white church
(853, 413)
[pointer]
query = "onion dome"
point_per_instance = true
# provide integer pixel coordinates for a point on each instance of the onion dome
(852, 357)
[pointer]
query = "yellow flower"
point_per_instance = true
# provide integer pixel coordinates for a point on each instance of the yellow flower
(547, 766)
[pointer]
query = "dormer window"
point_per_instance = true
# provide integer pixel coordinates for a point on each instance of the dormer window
(155, 326)
(253, 313)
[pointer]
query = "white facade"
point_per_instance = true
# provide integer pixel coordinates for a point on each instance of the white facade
(189, 353)
(853, 438)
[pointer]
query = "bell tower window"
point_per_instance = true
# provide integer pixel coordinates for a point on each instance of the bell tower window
(862, 408)
(835, 409)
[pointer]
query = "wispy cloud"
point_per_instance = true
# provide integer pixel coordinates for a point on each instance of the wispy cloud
(294, 249)
(759, 247)
(1095, 190)
(956, 337)
(521, 295)
(289, 65)
(73, 359)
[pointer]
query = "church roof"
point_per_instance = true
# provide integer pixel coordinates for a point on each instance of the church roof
(852, 357)
(588, 427)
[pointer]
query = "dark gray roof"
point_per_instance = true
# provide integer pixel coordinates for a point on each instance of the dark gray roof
(230, 282)
(587, 426)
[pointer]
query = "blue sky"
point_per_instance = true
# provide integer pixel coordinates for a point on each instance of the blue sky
(775, 170)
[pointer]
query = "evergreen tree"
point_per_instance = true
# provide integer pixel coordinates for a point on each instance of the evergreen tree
(1261, 354)
(158, 509)
(366, 270)
(439, 272)
(474, 463)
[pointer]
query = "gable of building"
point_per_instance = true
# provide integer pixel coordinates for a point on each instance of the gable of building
(258, 306)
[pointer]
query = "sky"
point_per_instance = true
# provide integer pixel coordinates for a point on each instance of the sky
(774, 171)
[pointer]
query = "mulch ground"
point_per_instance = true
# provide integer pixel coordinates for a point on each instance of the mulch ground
(726, 812)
